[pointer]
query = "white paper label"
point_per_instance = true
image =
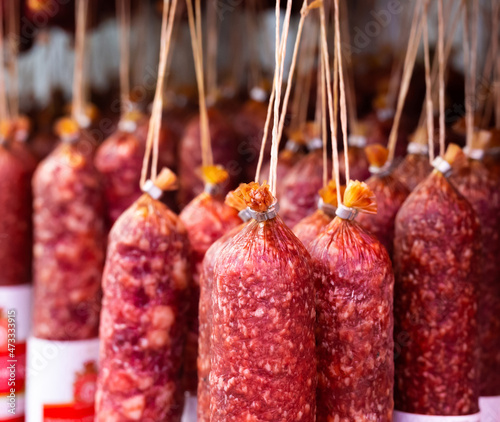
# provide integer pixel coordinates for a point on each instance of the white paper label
(15, 324)
(411, 417)
(69, 369)
(490, 409)
(190, 409)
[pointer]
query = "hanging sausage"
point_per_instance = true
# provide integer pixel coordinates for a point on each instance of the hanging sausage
(415, 167)
(390, 194)
(205, 308)
(206, 219)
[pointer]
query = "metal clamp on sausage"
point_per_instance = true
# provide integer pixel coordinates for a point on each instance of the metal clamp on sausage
(314, 144)
(441, 165)
(271, 213)
(474, 153)
(346, 213)
(152, 190)
(326, 208)
(127, 125)
(358, 141)
(213, 189)
(417, 148)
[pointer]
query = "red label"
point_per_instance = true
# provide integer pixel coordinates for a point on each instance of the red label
(15, 419)
(71, 412)
(13, 369)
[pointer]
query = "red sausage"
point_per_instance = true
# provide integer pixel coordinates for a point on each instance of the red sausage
(119, 160)
(143, 322)
(390, 194)
(299, 194)
(436, 257)
(69, 242)
(311, 226)
(15, 218)
(224, 149)
(249, 123)
(206, 219)
(480, 186)
(415, 167)
(354, 285)
(205, 322)
(263, 351)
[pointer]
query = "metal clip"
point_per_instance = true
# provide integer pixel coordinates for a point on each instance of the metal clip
(346, 213)
(271, 213)
(326, 208)
(441, 165)
(358, 141)
(152, 190)
(475, 154)
(417, 149)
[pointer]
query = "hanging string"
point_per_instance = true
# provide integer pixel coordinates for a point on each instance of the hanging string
(441, 62)
(197, 46)
(303, 14)
(123, 10)
(486, 103)
(4, 113)
(409, 63)
(352, 113)
(251, 23)
(323, 116)
(212, 50)
(497, 66)
(13, 30)
(333, 126)
(78, 76)
(343, 107)
(279, 57)
(152, 141)
(449, 38)
(428, 83)
(309, 53)
(141, 46)
(397, 65)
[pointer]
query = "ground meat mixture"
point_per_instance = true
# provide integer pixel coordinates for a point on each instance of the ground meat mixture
(69, 245)
(299, 196)
(206, 219)
(391, 194)
(354, 333)
(15, 218)
(311, 226)
(119, 160)
(205, 323)
(436, 256)
(413, 169)
(263, 351)
(143, 324)
(480, 187)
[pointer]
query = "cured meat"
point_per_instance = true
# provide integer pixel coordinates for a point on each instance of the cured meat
(119, 160)
(436, 257)
(390, 194)
(224, 149)
(143, 323)
(480, 186)
(15, 219)
(69, 242)
(18, 132)
(205, 310)
(249, 122)
(415, 167)
(354, 285)
(299, 194)
(358, 163)
(206, 219)
(311, 226)
(263, 351)
(291, 155)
